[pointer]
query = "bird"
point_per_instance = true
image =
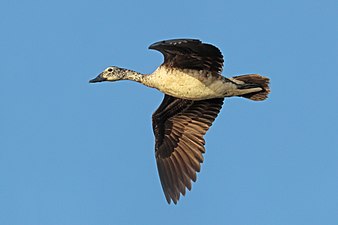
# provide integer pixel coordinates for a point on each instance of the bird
(194, 90)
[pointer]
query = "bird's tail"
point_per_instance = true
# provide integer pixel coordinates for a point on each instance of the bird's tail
(252, 81)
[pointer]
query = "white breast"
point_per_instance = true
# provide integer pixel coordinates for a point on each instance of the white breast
(189, 84)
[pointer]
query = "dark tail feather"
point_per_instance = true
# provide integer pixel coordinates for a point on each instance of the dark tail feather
(258, 81)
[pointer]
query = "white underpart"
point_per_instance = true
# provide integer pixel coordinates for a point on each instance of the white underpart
(193, 84)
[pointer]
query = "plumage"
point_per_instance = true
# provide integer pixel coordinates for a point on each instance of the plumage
(194, 91)
(190, 54)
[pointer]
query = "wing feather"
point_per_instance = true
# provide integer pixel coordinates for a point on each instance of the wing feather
(190, 54)
(179, 126)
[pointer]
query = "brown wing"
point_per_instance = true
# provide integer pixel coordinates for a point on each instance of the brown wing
(179, 126)
(190, 54)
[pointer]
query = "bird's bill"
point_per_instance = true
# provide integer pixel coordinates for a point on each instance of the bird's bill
(99, 78)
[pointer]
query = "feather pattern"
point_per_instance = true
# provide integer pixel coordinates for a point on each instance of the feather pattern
(190, 54)
(179, 126)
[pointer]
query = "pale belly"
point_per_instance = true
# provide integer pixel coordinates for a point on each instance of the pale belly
(180, 84)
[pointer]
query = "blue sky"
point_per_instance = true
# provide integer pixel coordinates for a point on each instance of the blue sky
(78, 153)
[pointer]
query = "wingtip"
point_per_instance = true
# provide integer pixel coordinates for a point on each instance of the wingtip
(168, 200)
(172, 42)
(174, 200)
(154, 45)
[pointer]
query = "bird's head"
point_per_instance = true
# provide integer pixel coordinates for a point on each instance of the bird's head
(112, 73)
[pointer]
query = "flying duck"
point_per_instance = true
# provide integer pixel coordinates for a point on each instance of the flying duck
(194, 89)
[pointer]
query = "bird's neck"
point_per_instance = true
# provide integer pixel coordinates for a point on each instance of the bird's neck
(134, 76)
(138, 77)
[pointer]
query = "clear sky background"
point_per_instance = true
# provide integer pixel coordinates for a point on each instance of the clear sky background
(78, 153)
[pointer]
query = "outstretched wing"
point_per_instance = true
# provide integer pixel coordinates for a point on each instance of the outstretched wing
(179, 126)
(190, 54)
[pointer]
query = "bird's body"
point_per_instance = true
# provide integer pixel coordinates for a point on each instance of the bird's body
(194, 89)
(193, 84)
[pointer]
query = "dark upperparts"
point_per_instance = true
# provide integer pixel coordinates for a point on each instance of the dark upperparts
(179, 126)
(190, 54)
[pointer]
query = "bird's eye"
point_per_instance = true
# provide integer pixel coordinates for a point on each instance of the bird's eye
(110, 69)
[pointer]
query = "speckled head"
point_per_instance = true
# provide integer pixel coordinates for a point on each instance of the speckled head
(112, 73)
